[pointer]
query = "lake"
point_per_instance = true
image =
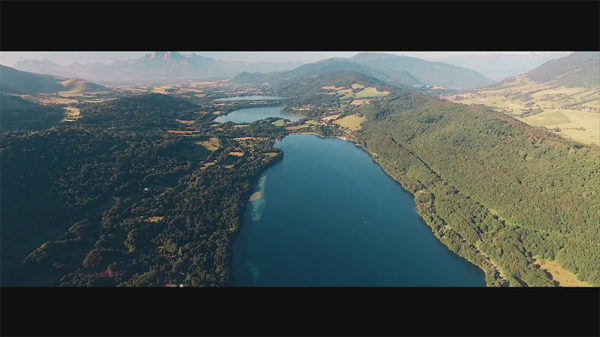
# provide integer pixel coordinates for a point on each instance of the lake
(330, 216)
(250, 115)
(248, 98)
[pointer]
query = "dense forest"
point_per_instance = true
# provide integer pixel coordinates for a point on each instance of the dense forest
(121, 202)
(491, 186)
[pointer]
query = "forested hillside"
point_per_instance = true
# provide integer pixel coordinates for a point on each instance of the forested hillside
(485, 181)
(497, 191)
(127, 196)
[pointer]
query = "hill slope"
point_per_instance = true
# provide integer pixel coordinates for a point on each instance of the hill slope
(19, 114)
(562, 95)
(498, 192)
(20, 82)
(433, 73)
(499, 66)
(25, 83)
(574, 70)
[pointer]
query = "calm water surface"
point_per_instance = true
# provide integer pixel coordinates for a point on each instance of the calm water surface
(250, 115)
(330, 216)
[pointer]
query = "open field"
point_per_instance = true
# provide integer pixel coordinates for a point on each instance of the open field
(78, 88)
(55, 100)
(279, 122)
(162, 89)
(361, 101)
(351, 122)
(564, 277)
(329, 118)
(72, 115)
(333, 87)
(311, 122)
(154, 218)
(572, 112)
(236, 154)
(371, 92)
(211, 144)
(180, 121)
(296, 128)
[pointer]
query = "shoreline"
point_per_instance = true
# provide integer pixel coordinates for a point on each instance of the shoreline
(419, 213)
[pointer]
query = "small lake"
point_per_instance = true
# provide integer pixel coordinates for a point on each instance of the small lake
(330, 216)
(248, 98)
(250, 115)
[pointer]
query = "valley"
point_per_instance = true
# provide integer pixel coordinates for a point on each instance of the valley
(156, 184)
(568, 104)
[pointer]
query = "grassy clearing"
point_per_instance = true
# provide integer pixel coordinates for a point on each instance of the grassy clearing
(329, 118)
(72, 114)
(154, 218)
(229, 166)
(241, 126)
(361, 101)
(211, 163)
(280, 122)
(181, 121)
(296, 128)
(371, 92)
(345, 92)
(333, 87)
(564, 277)
(162, 89)
(357, 86)
(311, 122)
(351, 122)
(211, 144)
(270, 154)
(236, 154)
(55, 101)
(78, 88)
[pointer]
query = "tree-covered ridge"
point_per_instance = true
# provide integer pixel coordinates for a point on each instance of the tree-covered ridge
(509, 190)
(19, 114)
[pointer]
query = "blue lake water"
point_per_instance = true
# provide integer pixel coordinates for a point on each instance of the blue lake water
(250, 115)
(248, 98)
(330, 216)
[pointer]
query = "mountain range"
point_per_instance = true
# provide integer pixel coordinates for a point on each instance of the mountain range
(170, 67)
(154, 68)
(499, 66)
(399, 71)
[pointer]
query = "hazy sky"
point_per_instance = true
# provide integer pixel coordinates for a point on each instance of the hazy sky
(65, 58)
